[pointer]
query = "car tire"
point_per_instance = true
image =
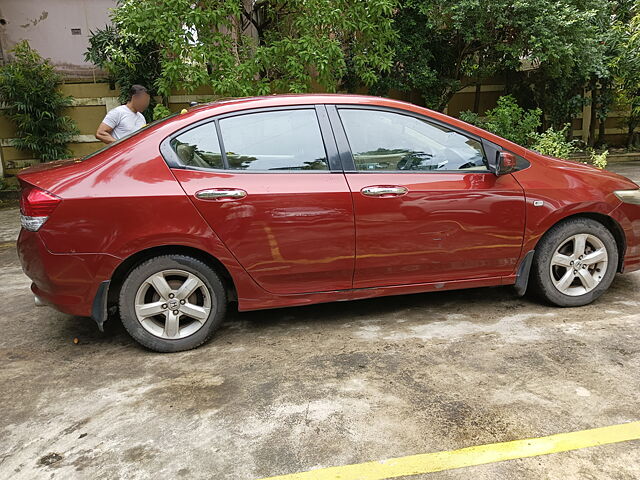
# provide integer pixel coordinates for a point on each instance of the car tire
(560, 254)
(172, 303)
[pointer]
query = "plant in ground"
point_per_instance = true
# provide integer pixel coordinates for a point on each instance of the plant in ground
(507, 120)
(553, 143)
(29, 87)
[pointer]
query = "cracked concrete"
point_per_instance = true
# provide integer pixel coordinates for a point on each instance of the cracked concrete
(288, 390)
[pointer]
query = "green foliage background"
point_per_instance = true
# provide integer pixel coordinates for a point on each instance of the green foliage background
(300, 42)
(549, 50)
(28, 86)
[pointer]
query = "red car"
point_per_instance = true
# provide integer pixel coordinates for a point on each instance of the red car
(301, 199)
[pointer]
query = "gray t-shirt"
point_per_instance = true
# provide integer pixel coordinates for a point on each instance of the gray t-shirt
(123, 121)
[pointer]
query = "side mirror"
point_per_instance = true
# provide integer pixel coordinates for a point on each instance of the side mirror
(506, 163)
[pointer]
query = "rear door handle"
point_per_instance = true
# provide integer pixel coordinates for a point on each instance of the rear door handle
(221, 194)
(384, 191)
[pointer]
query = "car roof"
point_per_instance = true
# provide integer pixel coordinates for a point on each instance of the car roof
(303, 98)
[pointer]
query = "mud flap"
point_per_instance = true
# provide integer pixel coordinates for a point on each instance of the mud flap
(99, 307)
(522, 277)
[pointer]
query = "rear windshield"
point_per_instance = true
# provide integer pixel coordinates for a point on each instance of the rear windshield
(132, 134)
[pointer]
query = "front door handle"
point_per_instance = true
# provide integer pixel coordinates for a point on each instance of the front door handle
(221, 194)
(384, 191)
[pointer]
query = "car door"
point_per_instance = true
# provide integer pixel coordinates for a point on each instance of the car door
(427, 207)
(275, 194)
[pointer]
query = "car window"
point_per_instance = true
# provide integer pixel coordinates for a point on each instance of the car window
(199, 147)
(132, 134)
(277, 140)
(382, 140)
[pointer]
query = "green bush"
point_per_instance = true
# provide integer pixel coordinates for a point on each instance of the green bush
(553, 143)
(28, 85)
(9, 183)
(472, 118)
(599, 159)
(160, 111)
(508, 120)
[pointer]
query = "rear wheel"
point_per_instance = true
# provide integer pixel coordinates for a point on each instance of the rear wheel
(575, 262)
(172, 303)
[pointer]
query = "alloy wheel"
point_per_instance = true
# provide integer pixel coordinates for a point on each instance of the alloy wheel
(173, 304)
(579, 264)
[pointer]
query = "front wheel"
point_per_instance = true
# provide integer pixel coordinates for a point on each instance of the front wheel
(575, 262)
(172, 303)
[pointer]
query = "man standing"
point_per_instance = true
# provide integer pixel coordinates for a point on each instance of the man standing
(125, 119)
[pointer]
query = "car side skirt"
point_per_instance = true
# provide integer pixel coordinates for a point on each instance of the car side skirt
(247, 304)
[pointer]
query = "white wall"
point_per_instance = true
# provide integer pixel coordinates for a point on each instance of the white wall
(47, 25)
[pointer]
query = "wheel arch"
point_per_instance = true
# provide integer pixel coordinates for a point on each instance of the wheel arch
(135, 259)
(608, 222)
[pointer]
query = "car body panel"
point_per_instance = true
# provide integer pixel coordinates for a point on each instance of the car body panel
(448, 226)
(67, 281)
(278, 301)
(628, 217)
(292, 232)
(557, 189)
(125, 200)
(107, 188)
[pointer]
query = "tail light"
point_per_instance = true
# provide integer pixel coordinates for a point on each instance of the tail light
(36, 205)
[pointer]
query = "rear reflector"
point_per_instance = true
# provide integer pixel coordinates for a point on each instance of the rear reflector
(35, 207)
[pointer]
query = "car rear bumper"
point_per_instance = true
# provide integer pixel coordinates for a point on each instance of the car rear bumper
(66, 281)
(628, 216)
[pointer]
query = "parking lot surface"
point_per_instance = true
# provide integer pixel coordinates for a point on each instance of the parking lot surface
(289, 390)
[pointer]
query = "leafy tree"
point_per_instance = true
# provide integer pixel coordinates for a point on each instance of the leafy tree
(626, 69)
(563, 94)
(126, 62)
(567, 50)
(29, 87)
(296, 43)
(444, 44)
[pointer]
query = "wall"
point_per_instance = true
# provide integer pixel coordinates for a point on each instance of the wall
(48, 24)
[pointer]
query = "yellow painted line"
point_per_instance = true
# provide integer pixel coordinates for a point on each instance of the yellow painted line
(470, 456)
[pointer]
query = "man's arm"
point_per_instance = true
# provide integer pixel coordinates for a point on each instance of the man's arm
(104, 133)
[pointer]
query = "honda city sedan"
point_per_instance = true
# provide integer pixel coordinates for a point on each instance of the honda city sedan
(300, 199)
